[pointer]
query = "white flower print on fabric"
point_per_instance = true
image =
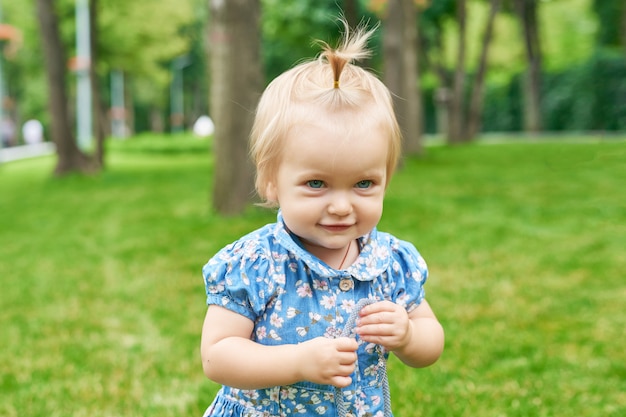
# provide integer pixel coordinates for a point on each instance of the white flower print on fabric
(276, 320)
(320, 285)
(328, 302)
(304, 290)
(348, 305)
(292, 312)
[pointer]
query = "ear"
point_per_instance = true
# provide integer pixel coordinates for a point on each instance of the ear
(271, 193)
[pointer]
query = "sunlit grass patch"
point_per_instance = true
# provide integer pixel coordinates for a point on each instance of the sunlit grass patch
(102, 298)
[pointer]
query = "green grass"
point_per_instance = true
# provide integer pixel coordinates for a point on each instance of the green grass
(102, 299)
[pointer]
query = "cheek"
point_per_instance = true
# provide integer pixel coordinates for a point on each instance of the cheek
(374, 210)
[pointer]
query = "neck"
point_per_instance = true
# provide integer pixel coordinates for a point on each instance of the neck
(336, 258)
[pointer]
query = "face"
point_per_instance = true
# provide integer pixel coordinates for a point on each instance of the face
(330, 184)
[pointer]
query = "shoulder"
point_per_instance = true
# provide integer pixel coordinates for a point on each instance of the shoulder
(397, 247)
(407, 272)
(404, 256)
(245, 253)
(240, 277)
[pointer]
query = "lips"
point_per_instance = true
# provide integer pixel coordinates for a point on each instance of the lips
(336, 227)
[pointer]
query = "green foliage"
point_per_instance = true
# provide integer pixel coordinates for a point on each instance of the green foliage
(290, 29)
(24, 78)
(102, 298)
(503, 106)
(610, 13)
(561, 46)
(140, 37)
(588, 96)
(584, 97)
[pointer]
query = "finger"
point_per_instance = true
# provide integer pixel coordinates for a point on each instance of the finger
(348, 358)
(378, 307)
(347, 344)
(346, 369)
(376, 329)
(341, 381)
(377, 318)
(377, 340)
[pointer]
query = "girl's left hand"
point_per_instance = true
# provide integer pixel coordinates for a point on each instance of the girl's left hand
(385, 323)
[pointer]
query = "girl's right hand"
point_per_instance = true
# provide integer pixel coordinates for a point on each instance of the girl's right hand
(328, 361)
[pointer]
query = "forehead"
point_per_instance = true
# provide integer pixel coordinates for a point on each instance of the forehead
(341, 117)
(326, 147)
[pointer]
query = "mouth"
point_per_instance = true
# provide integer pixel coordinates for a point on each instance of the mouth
(336, 227)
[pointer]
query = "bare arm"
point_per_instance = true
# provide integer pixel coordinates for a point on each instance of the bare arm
(416, 338)
(231, 358)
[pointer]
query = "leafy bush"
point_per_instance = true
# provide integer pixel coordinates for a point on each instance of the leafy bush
(587, 97)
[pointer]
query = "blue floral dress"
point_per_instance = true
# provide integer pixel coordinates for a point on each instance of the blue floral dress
(292, 296)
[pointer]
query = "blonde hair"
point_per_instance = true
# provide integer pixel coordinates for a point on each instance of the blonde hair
(330, 83)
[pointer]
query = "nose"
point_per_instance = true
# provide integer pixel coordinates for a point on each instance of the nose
(340, 204)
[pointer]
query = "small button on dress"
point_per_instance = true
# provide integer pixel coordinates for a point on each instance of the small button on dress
(346, 284)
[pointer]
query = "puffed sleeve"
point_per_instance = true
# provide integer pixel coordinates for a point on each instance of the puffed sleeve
(237, 277)
(409, 273)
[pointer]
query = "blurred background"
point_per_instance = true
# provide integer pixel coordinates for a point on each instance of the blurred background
(148, 62)
(82, 71)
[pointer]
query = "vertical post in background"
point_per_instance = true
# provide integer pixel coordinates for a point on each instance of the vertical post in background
(177, 110)
(1, 81)
(84, 130)
(118, 110)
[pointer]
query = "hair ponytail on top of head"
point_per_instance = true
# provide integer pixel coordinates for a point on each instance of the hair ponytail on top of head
(333, 79)
(311, 91)
(352, 48)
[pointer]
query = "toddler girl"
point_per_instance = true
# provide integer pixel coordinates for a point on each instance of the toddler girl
(304, 312)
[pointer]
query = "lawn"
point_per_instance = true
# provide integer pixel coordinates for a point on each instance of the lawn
(102, 298)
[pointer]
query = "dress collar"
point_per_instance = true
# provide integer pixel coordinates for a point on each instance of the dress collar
(373, 260)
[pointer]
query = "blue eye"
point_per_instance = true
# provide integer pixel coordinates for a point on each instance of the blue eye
(315, 183)
(364, 184)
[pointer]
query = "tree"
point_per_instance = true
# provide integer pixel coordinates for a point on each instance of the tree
(140, 38)
(527, 12)
(289, 28)
(623, 27)
(612, 18)
(69, 157)
(456, 119)
(351, 11)
(432, 55)
(100, 118)
(476, 100)
(235, 86)
(401, 75)
(463, 120)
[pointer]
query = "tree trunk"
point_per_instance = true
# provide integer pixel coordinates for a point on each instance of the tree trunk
(69, 156)
(100, 118)
(442, 94)
(527, 12)
(400, 43)
(351, 12)
(235, 88)
(129, 110)
(392, 54)
(455, 110)
(413, 111)
(623, 27)
(476, 101)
